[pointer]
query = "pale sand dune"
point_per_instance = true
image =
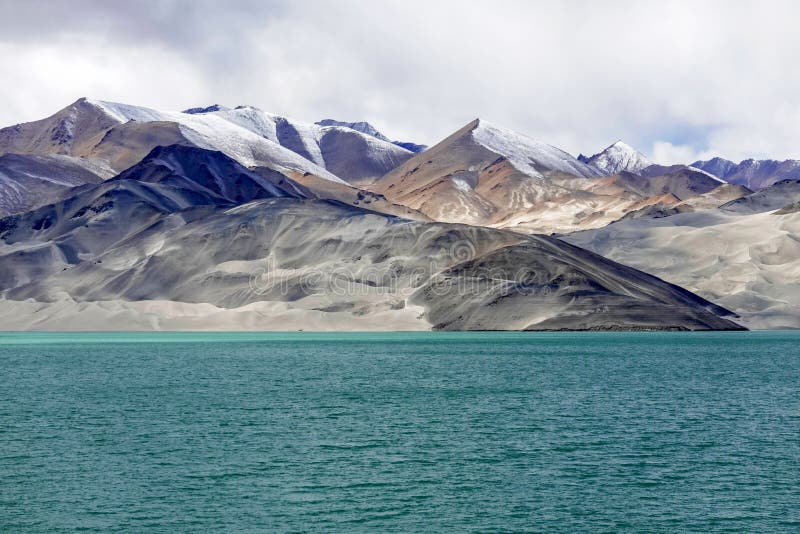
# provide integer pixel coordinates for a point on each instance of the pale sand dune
(148, 315)
(747, 263)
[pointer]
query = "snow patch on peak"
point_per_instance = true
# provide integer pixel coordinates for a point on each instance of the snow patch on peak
(623, 146)
(300, 137)
(127, 112)
(526, 154)
(701, 171)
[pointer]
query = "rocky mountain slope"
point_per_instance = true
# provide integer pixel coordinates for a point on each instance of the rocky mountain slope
(30, 181)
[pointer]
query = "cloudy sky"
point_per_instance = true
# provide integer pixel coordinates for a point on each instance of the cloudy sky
(678, 80)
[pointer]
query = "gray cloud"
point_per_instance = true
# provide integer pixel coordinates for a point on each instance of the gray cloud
(678, 79)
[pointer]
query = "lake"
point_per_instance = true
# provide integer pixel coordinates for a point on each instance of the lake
(419, 432)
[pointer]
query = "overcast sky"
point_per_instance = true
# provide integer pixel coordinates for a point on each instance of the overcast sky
(678, 80)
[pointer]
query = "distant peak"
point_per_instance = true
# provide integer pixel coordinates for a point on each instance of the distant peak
(366, 128)
(618, 157)
(354, 125)
(359, 126)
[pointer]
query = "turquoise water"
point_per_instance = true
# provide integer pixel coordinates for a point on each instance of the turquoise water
(402, 432)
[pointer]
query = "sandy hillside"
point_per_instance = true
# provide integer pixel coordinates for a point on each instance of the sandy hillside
(747, 263)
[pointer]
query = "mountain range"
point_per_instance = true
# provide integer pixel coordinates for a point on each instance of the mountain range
(754, 174)
(124, 217)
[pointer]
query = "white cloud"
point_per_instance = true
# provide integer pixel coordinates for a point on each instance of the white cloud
(49, 79)
(665, 153)
(684, 78)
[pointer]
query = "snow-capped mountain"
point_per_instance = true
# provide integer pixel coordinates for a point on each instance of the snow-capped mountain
(235, 133)
(352, 155)
(751, 173)
(482, 174)
(91, 140)
(488, 175)
(366, 128)
(616, 158)
(119, 135)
